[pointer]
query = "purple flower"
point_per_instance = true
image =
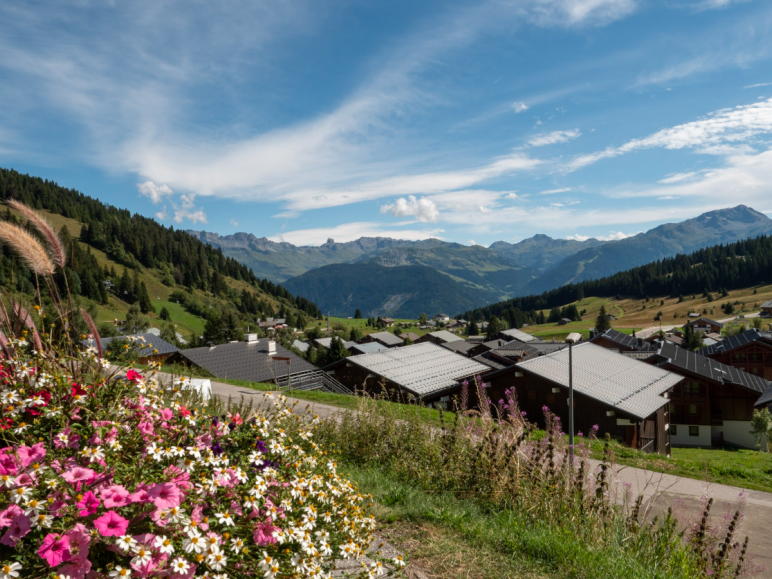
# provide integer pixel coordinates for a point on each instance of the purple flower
(523, 413)
(595, 427)
(216, 448)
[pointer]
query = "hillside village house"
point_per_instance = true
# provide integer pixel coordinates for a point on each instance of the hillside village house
(624, 397)
(425, 371)
(387, 322)
(409, 336)
(386, 338)
(750, 351)
(766, 309)
(765, 400)
(440, 337)
(515, 334)
(706, 325)
(153, 348)
(355, 349)
(442, 318)
(615, 340)
(714, 403)
(461, 347)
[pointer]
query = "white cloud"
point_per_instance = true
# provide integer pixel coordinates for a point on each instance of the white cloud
(578, 12)
(757, 85)
(161, 215)
(668, 197)
(511, 195)
(678, 177)
(554, 137)
(613, 236)
(726, 127)
(716, 4)
(556, 205)
(554, 191)
(424, 210)
(187, 210)
(519, 107)
(154, 192)
(234, 223)
(350, 232)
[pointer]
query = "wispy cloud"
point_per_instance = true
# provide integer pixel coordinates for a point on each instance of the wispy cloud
(519, 107)
(758, 85)
(350, 232)
(424, 210)
(555, 191)
(154, 192)
(613, 236)
(554, 137)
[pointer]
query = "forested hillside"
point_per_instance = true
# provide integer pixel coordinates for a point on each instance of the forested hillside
(723, 267)
(191, 270)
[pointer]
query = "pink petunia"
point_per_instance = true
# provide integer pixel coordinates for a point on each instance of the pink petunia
(7, 463)
(55, 549)
(79, 565)
(111, 524)
(165, 495)
(31, 454)
(79, 474)
(140, 495)
(9, 514)
(167, 414)
(19, 527)
(146, 429)
(115, 496)
(88, 504)
(264, 534)
(133, 375)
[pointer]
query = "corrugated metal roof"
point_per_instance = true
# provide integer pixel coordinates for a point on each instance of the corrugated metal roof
(246, 361)
(516, 334)
(736, 341)
(765, 399)
(324, 342)
(445, 336)
(302, 346)
(628, 385)
(387, 338)
(625, 340)
(692, 362)
(459, 346)
(367, 348)
(543, 347)
(422, 369)
(488, 360)
(152, 342)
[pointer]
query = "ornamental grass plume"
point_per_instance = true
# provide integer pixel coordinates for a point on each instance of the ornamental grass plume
(28, 247)
(57, 251)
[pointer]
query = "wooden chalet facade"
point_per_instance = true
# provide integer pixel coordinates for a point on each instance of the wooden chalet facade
(706, 326)
(613, 340)
(750, 351)
(630, 405)
(714, 403)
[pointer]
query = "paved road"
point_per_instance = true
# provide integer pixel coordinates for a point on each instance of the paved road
(646, 332)
(660, 490)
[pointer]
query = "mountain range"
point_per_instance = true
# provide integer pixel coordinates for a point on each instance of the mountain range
(412, 277)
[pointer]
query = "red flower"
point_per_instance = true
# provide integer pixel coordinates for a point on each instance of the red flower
(184, 411)
(133, 376)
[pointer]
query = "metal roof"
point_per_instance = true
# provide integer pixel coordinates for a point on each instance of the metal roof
(547, 347)
(488, 360)
(246, 361)
(302, 346)
(767, 304)
(446, 336)
(629, 385)
(694, 363)
(704, 319)
(519, 335)
(368, 348)
(737, 341)
(765, 399)
(386, 338)
(152, 342)
(324, 342)
(422, 369)
(625, 340)
(459, 346)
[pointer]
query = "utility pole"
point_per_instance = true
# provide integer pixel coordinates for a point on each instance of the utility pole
(570, 339)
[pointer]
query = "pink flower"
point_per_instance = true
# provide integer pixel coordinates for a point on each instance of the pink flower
(133, 375)
(55, 549)
(115, 496)
(111, 524)
(146, 428)
(9, 514)
(78, 474)
(165, 495)
(167, 414)
(88, 504)
(79, 565)
(31, 454)
(19, 527)
(140, 495)
(7, 463)
(264, 534)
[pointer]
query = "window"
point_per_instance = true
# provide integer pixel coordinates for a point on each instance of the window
(674, 430)
(693, 409)
(672, 407)
(694, 431)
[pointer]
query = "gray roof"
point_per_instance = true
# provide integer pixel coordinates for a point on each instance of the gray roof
(765, 399)
(628, 385)
(490, 361)
(736, 341)
(767, 304)
(625, 340)
(246, 361)
(302, 346)
(708, 320)
(152, 342)
(366, 348)
(694, 363)
(459, 346)
(422, 369)
(547, 347)
(387, 338)
(324, 342)
(516, 334)
(446, 336)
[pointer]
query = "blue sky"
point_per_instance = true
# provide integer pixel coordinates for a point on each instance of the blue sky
(468, 121)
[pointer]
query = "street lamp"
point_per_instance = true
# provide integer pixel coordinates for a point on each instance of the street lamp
(570, 339)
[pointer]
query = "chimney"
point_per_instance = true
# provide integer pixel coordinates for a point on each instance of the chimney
(271, 348)
(250, 338)
(593, 333)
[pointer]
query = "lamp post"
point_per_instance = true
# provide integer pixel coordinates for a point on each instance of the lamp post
(570, 339)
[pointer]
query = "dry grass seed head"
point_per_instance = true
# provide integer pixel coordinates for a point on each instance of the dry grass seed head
(58, 253)
(28, 247)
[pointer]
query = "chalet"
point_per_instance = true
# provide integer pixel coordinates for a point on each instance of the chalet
(251, 359)
(706, 325)
(440, 337)
(614, 340)
(323, 343)
(459, 347)
(488, 345)
(387, 322)
(355, 349)
(385, 338)
(766, 309)
(622, 396)
(564, 321)
(442, 318)
(507, 355)
(301, 347)
(409, 336)
(424, 371)
(157, 332)
(515, 334)
(714, 403)
(750, 351)
(152, 347)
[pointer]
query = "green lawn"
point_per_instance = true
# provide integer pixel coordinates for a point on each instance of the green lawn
(187, 322)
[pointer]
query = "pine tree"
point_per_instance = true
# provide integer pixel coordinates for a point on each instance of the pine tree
(602, 322)
(355, 335)
(358, 314)
(472, 329)
(494, 327)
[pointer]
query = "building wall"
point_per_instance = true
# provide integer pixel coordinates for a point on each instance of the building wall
(754, 358)
(681, 435)
(739, 432)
